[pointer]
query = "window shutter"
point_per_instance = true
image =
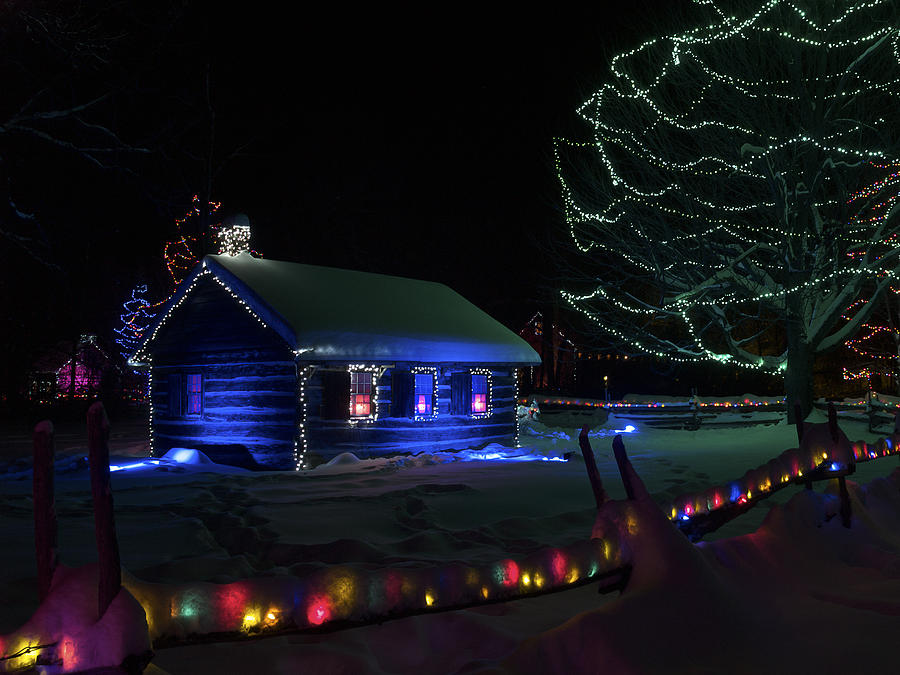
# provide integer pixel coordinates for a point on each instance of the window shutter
(335, 395)
(460, 394)
(175, 394)
(402, 394)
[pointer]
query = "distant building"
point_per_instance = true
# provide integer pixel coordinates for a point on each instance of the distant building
(557, 369)
(72, 371)
(280, 365)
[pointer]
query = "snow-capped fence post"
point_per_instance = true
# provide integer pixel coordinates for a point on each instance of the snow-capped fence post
(591, 465)
(846, 509)
(45, 533)
(872, 414)
(621, 461)
(110, 571)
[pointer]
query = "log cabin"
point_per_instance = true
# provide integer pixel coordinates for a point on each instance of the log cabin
(273, 365)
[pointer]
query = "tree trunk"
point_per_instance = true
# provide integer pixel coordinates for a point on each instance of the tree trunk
(798, 378)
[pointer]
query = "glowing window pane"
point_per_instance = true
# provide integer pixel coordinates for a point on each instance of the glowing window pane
(194, 394)
(479, 393)
(360, 394)
(424, 393)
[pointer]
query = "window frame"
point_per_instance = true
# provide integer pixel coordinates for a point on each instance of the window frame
(433, 372)
(178, 385)
(488, 393)
(373, 373)
(187, 379)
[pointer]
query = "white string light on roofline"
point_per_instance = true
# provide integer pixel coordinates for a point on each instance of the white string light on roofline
(515, 373)
(301, 442)
(203, 274)
(150, 399)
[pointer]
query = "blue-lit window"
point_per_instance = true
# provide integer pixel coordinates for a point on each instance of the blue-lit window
(194, 383)
(479, 394)
(423, 398)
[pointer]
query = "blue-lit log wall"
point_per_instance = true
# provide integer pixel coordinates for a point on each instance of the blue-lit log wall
(250, 411)
(249, 383)
(390, 435)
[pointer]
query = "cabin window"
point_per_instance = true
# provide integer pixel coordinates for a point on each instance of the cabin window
(194, 394)
(424, 394)
(479, 394)
(185, 394)
(470, 393)
(361, 385)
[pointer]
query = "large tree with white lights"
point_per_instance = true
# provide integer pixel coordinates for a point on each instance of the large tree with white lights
(737, 194)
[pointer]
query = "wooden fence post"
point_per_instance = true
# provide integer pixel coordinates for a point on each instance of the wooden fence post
(44, 501)
(110, 570)
(846, 509)
(591, 466)
(621, 460)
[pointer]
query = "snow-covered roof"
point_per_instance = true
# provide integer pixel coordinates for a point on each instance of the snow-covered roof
(341, 315)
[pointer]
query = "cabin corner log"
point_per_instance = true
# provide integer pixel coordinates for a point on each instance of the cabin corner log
(591, 465)
(110, 571)
(45, 529)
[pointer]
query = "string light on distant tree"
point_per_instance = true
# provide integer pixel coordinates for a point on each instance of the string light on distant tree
(135, 319)
(738, 190)
(879, 338)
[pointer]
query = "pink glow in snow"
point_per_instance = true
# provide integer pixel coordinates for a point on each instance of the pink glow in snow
(231, 601)
(507, 573)
(558, 566)
(319, 610)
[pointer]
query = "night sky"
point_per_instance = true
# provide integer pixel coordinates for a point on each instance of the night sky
(415, 143)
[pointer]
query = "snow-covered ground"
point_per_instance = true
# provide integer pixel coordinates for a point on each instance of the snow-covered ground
(800, 595)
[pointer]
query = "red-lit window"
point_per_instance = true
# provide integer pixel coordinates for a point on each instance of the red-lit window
(194, 394)
(479, 393)
(424, 393)
(360, 394)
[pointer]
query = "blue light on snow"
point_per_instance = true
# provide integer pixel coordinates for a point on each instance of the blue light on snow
(629, 429)
(134, 465)
(512, 456)
(123, 467)
(183, 455)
